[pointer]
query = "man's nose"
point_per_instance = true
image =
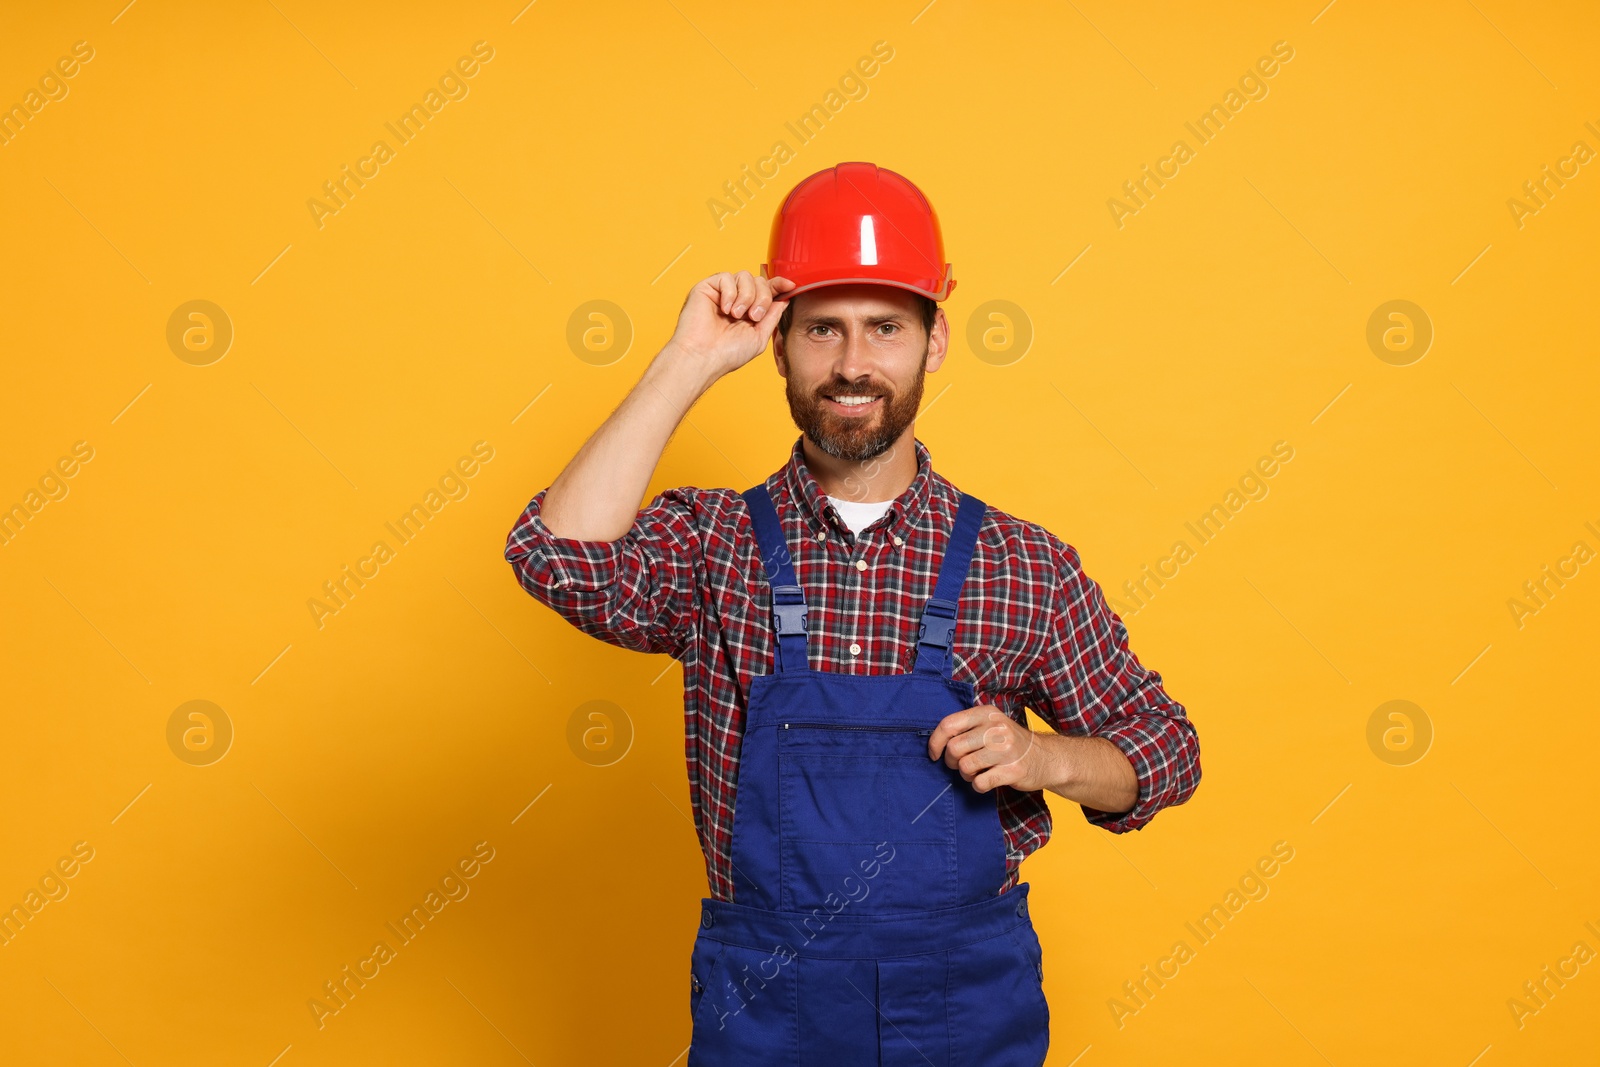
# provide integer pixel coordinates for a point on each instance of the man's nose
(855, 360)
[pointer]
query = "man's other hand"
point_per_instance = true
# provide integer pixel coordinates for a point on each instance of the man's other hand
(990, 748)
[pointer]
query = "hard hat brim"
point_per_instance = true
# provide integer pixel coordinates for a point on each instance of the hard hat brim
(937, 294)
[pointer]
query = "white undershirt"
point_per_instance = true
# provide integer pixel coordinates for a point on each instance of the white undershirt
(859, 516)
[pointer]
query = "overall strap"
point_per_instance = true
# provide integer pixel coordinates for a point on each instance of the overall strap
(788, 599)
(939, 614)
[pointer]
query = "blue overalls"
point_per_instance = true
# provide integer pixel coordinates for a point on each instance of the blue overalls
(867, 926)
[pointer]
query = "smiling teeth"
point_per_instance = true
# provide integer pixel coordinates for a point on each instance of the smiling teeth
(852, 401)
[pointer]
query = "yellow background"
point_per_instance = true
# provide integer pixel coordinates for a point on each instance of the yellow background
(372, 753)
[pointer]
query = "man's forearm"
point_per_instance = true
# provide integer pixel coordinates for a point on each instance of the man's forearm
(726, 321)
(597, 496)
(1089, 770)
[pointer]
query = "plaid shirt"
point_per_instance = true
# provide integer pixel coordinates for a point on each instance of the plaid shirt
(1032, 630)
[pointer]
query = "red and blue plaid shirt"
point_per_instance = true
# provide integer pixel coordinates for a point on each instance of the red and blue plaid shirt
(1032, 629)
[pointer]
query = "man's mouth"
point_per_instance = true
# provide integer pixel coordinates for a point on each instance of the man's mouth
(853, 404)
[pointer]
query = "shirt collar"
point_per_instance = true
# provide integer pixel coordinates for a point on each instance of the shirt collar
(806, 492)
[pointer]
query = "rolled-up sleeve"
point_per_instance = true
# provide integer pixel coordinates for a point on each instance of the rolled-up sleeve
(1090, 683)
(637, 592)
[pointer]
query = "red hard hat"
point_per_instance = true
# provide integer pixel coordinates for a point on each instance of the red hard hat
(857, 222)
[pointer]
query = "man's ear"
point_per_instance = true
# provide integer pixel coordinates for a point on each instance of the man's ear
(938, 340)
(778, 355)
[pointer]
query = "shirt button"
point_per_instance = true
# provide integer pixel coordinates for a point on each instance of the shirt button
(861, 564)
(855, 649)
(822, 535)
(899, 540)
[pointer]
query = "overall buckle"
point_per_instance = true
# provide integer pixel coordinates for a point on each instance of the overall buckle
(789, 605)
(938, 623)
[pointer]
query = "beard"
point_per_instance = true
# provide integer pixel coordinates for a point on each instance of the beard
(855, 439)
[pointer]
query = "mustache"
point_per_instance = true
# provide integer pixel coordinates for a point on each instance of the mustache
(855, 390)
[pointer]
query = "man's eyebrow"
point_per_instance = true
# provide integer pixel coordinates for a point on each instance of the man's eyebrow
(835, 320)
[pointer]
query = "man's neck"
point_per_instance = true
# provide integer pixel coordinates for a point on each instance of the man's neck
(884, 477)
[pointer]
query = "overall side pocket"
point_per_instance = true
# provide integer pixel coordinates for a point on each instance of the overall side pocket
(705, 961)
(1031, 952)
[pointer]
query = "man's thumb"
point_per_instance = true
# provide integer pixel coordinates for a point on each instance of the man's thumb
(770, 320)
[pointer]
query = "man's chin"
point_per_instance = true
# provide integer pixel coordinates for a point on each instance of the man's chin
(855, 444)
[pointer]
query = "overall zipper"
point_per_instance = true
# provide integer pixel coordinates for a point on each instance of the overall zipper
(835, 726)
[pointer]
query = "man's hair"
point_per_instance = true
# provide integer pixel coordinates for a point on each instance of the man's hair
(929, 308)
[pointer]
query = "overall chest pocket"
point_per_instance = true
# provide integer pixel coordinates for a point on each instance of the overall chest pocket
(868, 821)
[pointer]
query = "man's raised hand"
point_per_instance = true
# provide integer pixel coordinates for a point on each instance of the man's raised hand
(728, 319)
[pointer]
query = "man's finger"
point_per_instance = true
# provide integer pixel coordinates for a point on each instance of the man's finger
(770, 319)
(1004, 774)
(957, 722)
(763, 298)
(977, 742)
(980, 758)
(767, 304)
(961, 744)
(745, 293)
(994, 740)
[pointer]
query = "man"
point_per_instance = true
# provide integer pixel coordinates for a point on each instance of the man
(859, 639)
